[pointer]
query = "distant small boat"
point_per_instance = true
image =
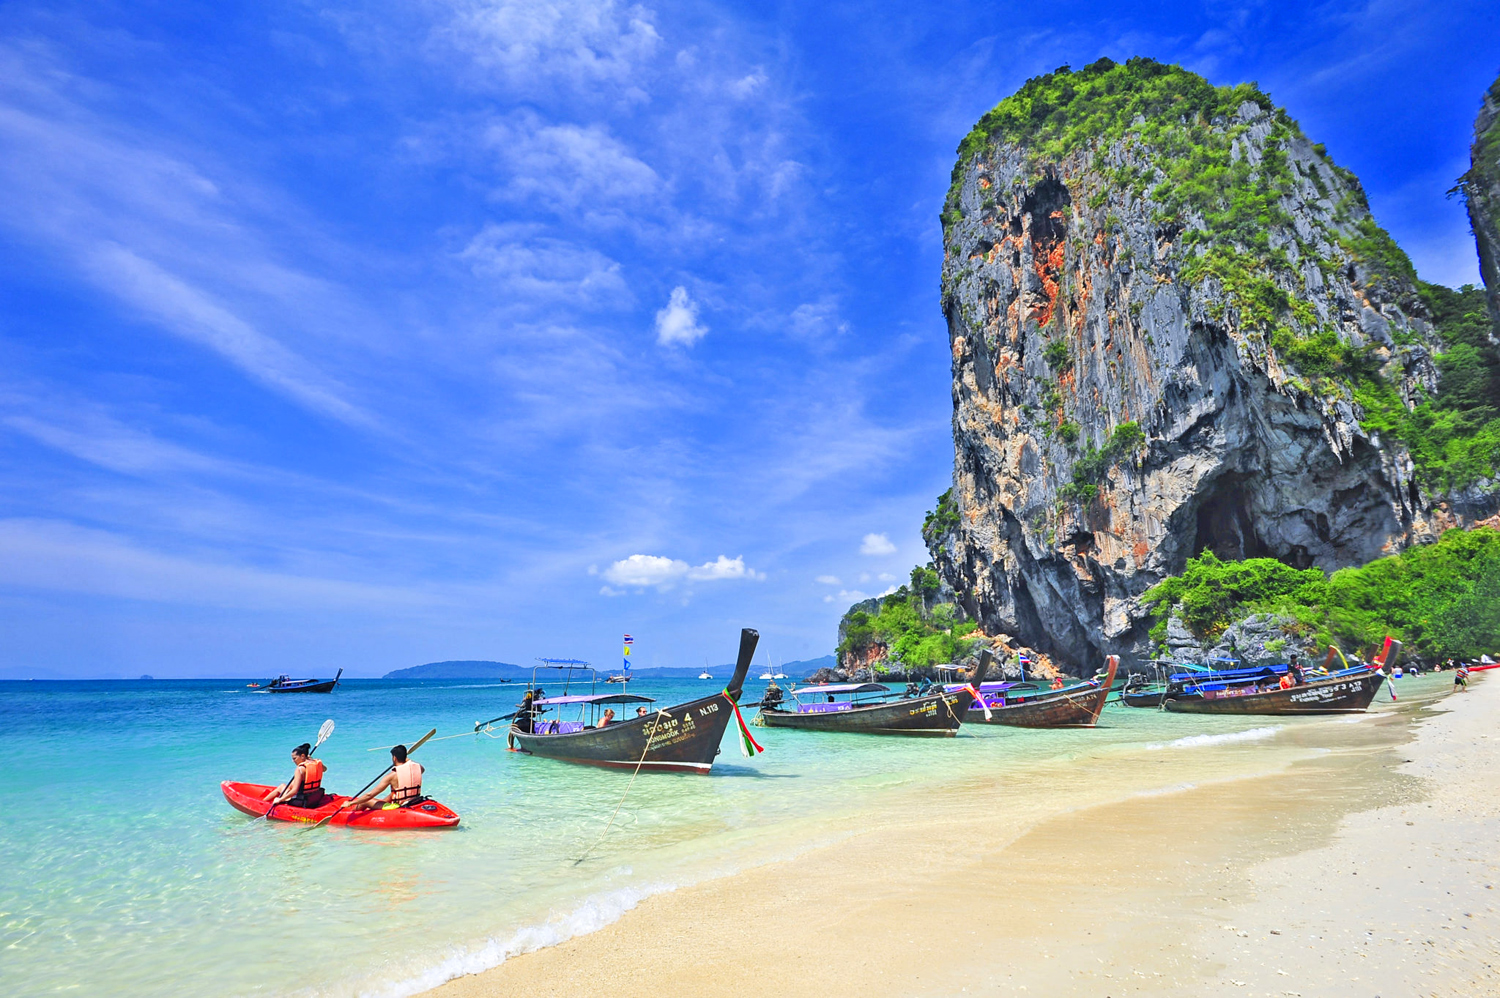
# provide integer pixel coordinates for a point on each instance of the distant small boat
(779, 675)
(766, 675)
(704, 675)
(286, 684)
(252, 686)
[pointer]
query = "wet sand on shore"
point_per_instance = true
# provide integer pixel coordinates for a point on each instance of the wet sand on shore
(1365, 867)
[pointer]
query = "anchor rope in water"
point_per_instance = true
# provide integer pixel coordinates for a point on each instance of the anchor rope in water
(638, 764)
(387, 748)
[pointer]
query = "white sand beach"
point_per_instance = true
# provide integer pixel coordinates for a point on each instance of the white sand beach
(1366, 867)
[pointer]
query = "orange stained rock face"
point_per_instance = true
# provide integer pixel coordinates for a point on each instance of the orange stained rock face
(984, 183)
(1140, 550)
(1047, 268)
(959, 345)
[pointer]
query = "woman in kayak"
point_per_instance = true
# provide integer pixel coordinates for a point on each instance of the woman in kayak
(404, 781)
(305, 788)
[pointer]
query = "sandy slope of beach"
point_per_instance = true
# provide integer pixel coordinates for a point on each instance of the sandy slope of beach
(1365, 866)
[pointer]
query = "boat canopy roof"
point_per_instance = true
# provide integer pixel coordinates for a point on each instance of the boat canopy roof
(843, 688)
(594, 698)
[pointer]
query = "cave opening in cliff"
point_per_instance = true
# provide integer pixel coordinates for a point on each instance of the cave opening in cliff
(1224, 523)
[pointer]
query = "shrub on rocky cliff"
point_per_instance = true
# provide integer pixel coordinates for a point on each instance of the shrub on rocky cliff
(1442, 599)
(903, 630)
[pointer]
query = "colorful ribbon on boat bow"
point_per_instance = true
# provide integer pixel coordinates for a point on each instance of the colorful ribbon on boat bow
(749, 747)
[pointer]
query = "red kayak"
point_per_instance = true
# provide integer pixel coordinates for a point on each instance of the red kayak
(247, 797)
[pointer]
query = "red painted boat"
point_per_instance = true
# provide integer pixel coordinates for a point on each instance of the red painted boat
(247, 797)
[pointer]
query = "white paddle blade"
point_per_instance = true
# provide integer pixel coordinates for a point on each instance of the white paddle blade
(325, 731)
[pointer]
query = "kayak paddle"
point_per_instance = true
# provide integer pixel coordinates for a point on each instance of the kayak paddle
(367, 786)
(323, 733)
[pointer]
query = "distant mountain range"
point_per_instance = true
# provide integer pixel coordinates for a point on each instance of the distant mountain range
(505, 670)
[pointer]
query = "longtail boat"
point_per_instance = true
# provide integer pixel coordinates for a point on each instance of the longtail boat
(1030, 705)
(286, 684)
(873, 709)
(1347, 692)
(1143, 690)
(681, 738)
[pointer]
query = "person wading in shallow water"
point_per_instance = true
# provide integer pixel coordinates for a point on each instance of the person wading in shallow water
(305, 788)
(404, 781)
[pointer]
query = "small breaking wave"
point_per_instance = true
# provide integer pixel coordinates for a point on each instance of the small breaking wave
(591, 915)
(1199, 741)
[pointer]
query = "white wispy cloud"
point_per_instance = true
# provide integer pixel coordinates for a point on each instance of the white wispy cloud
(677, 323)
(532, 266)
(641, 571)
(877, 544)
(193, 314)
(829, 580)
(537, 47)
(846, 597)
(569, 167)
(60, 556)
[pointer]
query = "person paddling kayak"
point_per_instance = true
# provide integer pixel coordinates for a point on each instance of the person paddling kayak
(404, 781)
(305, 788)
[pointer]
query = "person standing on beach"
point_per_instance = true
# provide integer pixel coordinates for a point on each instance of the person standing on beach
(1461, 677)
(404, 781)
(305, 788)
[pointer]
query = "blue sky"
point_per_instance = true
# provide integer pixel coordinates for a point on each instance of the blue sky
(362, 336)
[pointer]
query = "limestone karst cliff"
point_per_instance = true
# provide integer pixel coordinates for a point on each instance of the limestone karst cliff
(1175, 326)
(1481, 187)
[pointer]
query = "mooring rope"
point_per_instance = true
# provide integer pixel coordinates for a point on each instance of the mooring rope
(639, 762)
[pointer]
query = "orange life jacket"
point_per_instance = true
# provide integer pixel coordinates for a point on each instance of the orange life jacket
(408, 782)
(312, 777)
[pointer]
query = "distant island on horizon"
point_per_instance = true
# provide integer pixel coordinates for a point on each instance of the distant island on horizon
(478, 669)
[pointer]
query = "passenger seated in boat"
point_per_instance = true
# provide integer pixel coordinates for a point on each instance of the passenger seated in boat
(640, 712)
(1294, 669)
(526, 713)
(1287, 682)
(305, 788)
(608, 718)
(404, 781)
(1057, 682)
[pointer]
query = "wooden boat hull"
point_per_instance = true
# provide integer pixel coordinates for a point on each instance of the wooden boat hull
(935, 715)
(1077, 708)
(1150, 699)
(326, 687)
(1348, 695)
(684, 738)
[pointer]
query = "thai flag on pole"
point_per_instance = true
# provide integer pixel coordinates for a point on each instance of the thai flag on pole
(628, 642)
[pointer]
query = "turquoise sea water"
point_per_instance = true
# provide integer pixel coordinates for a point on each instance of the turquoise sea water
(126, 872)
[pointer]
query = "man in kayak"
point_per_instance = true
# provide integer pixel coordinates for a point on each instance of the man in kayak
(305, 788)
(404, 781)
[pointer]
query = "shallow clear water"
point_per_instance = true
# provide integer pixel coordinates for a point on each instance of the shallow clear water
(127, 873)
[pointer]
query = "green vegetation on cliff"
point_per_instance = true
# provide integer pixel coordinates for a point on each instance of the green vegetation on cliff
(1441, 599)
(1147, 130)
(913, 635)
